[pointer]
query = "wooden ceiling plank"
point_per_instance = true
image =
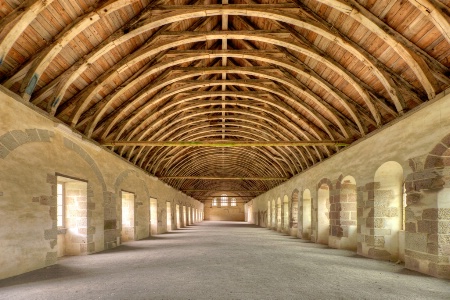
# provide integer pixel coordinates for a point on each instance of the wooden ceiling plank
(22, 18)
(46, 56)
(409, 52)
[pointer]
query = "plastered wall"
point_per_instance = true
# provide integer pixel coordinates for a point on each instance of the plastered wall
(34, 150)
(356, 194)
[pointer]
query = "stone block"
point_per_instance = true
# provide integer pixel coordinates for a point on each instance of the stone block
(424, 184)
(53, 213)
(380, 254)
(378, 231)
(430, 214)
(83, 248)
(445, 250)
(3, 151)
(44, 135)
(349, 206)
(416, 241)
(379, 241)
(427, 226)
(20, 136)
(359, 248)
(347, 222)
(439, 270)
(438, 150)
(50, 234)
(91, 206)
(433, 162)
(344, 215)
(372, 186)
(68, 143)
(410, 227)
(44, 200)
(378, 222)
(36, 199)
(412, 263)
(8, 141)
(33, 135)
(53, 243)
(409, 215)
(52, 179)
(433, 249)
(110, 224)
(443, 227)
(91, 230)
(446, 141)
(444, 213)
(413, 198)
(91, 247)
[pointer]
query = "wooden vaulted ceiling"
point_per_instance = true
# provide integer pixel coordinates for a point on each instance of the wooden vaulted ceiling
(219, 96)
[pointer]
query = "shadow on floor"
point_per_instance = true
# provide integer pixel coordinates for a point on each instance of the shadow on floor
(48, 273)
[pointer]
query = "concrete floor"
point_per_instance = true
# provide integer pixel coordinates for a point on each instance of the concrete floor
(223, 260)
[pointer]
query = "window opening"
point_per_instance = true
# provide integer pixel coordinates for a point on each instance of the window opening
(60, 204)
(224, 200)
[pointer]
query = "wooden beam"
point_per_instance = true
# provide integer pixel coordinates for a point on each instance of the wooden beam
(227, 143)
(223, 178)
(226, 33)
(229, 196)
(224, 191)
(167, 8)
(23, 16)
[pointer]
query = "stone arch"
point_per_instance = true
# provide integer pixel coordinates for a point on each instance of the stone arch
(382, 212)
(428, 212)
(122, 176)
(279, 215)
(87, 158)
(293, 209)
(305, 220)
(10, 140)
(274, 215)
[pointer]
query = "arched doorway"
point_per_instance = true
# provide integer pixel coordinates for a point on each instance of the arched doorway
(387, 212)
(279, 215)
(323, 218)
(306, 215)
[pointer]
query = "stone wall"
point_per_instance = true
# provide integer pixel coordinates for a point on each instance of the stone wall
(34, 151)
(365, 213)
(226, 213)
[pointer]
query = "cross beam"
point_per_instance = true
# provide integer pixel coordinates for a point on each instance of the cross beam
(224, 178)
(226, 143)
(225, 191)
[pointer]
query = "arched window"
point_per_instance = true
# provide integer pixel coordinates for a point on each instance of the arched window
(223, 200)
(233, 202)
(214, 202)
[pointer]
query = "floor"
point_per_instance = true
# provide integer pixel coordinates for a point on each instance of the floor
(223, 260)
